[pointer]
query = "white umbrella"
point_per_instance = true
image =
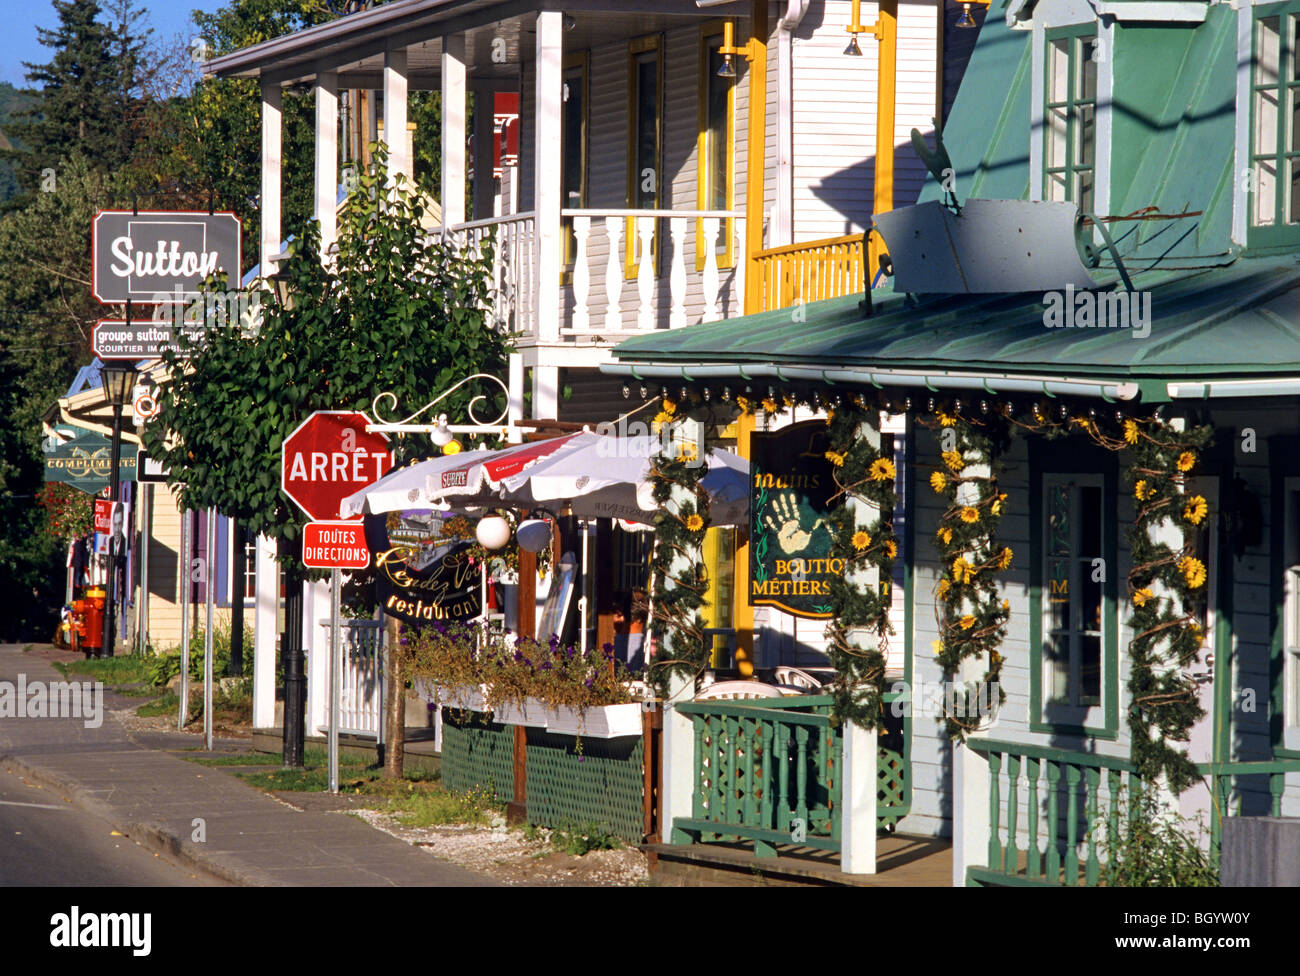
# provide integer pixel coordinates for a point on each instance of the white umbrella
(596, 475)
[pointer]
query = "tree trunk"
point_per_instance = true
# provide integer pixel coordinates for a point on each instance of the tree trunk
(395, 706)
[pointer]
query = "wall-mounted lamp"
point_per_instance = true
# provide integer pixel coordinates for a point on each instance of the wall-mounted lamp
(966, 21)
(728, 50)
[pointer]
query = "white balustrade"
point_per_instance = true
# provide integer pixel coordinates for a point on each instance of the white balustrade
(581, 274)
(711, 281)
(645, 276)
(613, 274)
(677, 276)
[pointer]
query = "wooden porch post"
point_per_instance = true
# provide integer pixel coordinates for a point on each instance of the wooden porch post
(453, 130)
(756, 158)
(269, 243)
(858, 823)
(970, 820)
(547, 162)
(327, 159)
(395, 113)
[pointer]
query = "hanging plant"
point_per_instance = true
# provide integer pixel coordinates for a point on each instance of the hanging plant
(864, 475)
(679, 579)
(68, 510)
(971, 616)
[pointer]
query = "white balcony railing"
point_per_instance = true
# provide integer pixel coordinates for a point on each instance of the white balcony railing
(600, 296)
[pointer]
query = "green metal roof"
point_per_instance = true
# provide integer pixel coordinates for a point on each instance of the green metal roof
(1220, 323)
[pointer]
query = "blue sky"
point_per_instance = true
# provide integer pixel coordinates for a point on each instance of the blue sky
(18, 41)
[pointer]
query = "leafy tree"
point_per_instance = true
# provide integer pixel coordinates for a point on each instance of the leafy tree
(395, 311)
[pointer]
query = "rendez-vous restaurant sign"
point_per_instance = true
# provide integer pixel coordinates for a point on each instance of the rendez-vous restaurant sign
(157, 256)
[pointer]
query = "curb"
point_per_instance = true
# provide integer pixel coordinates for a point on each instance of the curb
(148, 835)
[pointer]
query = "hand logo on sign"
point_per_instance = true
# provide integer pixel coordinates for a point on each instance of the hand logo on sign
(788, 525)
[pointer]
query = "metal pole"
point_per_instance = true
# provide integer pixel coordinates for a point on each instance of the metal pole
(210, 597)
(336, 677)
(144, 518)
(582, 600)
(113, 489)
(295, 678)
(187, 571)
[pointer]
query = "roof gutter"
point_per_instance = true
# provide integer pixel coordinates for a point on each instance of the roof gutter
(990, 383)
(1234, 388)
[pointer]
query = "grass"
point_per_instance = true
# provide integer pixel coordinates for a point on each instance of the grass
(243, 759)
(166, 705)
(110, 670)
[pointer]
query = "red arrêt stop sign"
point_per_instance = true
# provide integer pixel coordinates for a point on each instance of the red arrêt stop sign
(328, 457)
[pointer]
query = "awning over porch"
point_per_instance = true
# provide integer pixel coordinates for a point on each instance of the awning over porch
(1209, 332)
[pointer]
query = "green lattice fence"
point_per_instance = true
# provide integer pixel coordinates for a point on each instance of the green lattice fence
(601, 785)
(891, 795)
(477, 753)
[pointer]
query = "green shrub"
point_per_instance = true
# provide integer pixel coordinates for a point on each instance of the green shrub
(1155, 847)
(161, 668)
(568, 839)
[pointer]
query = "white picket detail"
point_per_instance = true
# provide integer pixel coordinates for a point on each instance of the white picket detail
(645, 277)
(614, 274)
(711, 280)
(677, 276)
(581, 274)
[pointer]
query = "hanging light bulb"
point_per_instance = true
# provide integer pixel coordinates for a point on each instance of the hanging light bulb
(440, 435)
(728, 70)
(853, 48)
(965, 21)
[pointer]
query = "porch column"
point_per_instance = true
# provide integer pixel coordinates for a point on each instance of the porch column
(265, 628)
(861, 780)
(546, 391)
(269, 243)
(970, 813)
(678, 758)
(395, 113)
(327, 158)
(547, 172)
(453, 130)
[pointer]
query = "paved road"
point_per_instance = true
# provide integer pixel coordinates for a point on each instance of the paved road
(45, 840)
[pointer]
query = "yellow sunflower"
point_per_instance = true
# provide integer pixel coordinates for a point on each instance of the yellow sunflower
(1140, 597)
(947, 420)
(882, 469)
(1142, 491)
(937, 647)
(694, 523)
(962, 571)
(946, 535)
(944, 587)
(743, 403)
(835, 458)
(1130, 432)
(1186, 461)
(770, 405)
(1196, 509)
(670, 407)
(1004, 557)
(996, 506)
(861, 540)
(967, 622)
(954, 461)
(830, 416)
(891, 549)
(1193, 571)
(937, 481)
(970, 514)
(1006, 605)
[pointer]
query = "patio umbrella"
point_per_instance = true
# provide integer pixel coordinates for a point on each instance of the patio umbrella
(596, 475)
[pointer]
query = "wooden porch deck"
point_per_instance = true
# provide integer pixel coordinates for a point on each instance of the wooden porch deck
(902, 861)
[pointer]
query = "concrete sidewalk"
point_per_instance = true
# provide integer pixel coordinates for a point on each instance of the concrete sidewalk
(154, 798)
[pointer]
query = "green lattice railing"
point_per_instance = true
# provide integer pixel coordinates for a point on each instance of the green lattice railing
(795, 795)
(587, 783)
(1062, 793)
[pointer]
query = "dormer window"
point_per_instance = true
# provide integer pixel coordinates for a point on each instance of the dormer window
(1070, 132)
(1274, 184)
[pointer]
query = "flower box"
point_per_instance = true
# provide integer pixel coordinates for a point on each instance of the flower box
(531, 713)
(466, 697)
(596, 721)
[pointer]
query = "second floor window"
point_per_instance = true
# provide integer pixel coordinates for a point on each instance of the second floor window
(715, 146)
(644, 152)
(573, 122)
(1069, 151)
(1275, 130)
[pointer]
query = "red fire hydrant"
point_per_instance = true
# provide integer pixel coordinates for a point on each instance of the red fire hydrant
(88, 621)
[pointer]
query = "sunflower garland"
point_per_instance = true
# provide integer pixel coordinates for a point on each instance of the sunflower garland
(679, 578)
(971, 617)
(867, 476)
(1163, 583)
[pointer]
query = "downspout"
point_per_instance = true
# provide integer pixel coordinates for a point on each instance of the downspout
(783, 221)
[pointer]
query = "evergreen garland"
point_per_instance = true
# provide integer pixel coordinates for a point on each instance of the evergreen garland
(971, 619)
(1163, 583)
(863, 473)
(676, 597)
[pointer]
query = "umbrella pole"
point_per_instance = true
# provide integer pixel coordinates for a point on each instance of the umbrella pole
(582, 600)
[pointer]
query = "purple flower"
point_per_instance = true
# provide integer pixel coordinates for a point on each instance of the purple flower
(590, 681)
(519, 656)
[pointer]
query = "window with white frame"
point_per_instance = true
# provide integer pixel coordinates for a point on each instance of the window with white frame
(1070, 132)
(1275, 127)
(1073, 591)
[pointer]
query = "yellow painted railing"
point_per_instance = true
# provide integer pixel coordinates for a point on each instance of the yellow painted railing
(809, 272)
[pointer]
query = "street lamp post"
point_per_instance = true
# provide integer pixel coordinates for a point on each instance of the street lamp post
(118, 380)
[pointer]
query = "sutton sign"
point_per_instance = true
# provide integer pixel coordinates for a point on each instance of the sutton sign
(158, 256)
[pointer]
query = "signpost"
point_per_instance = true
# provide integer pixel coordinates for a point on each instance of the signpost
(326, 458)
